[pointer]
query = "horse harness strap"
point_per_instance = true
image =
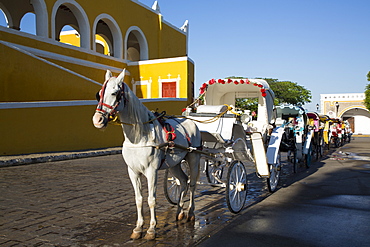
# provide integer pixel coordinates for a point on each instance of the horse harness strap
(120, 96)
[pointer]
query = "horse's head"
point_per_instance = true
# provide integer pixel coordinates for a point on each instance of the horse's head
(111, 98)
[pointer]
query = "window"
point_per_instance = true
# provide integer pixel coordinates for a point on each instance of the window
(169, 89)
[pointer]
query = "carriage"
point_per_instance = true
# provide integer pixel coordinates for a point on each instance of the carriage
(296, 140)
(317, 137)
(324, 127)
(335, 132)
(216, 132)
(233, 139)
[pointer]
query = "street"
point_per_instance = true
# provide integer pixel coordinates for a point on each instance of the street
(90, 202)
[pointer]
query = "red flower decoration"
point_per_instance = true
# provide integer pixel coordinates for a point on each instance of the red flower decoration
(236, 82)
(223, 82)
(247, 81)
(255, 84)
(264, 94)
(183, 109)
(260, 85)
(229, 81)
(211, 82)
(219, 81)
(262, 90)
(241, 82)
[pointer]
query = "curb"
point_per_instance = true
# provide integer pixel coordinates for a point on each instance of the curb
(25, 159)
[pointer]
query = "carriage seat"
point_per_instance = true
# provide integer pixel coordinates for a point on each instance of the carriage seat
(218, 129)
(215, 109)
(279, 121)
(255, 126)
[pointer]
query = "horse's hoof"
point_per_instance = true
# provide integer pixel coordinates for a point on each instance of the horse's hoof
(149, 236)
(180, 216)
(191, 218)
(135, 235)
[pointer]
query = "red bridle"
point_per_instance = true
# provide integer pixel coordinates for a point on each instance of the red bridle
(113, 108)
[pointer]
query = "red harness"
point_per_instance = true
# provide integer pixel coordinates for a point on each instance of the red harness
(112, 108)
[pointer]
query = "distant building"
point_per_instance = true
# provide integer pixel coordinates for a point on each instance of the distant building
(348, 106)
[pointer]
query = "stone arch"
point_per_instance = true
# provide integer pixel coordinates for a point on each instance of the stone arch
(112, 33)
(358, 117)
(75, 16)
(8, 16)
(15, 10)
(41, 17)
(354, 110)
(136, 44)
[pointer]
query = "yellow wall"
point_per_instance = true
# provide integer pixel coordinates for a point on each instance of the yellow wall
(45, 129)
(44, 71)
(72, 38)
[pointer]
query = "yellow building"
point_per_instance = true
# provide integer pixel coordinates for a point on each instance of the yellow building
(47, 88)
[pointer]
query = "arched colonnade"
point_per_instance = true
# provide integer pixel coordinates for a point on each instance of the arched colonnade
(132, 45)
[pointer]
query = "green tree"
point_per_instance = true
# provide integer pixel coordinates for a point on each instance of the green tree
(367, 93)
(289, 92)
(285, 92)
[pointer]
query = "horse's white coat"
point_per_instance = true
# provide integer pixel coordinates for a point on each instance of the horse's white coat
(140, 155)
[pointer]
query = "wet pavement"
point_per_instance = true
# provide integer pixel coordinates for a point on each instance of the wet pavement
(90, 202)
(327, 205)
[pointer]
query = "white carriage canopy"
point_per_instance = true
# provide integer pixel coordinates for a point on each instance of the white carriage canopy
(225, 91)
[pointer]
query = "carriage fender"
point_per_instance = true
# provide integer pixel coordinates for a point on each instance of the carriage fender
(260, 155)
(274, 145)
(307, 142)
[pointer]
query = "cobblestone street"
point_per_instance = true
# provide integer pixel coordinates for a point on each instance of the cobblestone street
(90, 202)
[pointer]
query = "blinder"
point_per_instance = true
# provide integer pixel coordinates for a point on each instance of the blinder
(97, 96)
(100, 97)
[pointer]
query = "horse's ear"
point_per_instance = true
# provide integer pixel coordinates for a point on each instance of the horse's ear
(122, 75)
(108, 75)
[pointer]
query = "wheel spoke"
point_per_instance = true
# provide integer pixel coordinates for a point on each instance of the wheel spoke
(236, 189)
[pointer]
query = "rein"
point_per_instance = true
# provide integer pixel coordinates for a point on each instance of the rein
(115, 121)
(213, 119)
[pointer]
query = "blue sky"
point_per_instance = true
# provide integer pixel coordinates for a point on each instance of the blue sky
(323, 45)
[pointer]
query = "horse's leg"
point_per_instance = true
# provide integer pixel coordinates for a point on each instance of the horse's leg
(151, 175)
(181, 176)
(136, 183)
(193, 161)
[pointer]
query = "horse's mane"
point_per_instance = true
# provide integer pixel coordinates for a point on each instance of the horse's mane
(138, 114)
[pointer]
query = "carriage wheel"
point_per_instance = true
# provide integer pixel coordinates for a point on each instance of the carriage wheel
(292, 156)
(273, 180)
(236, 187)
(320, 148)
(172, 186)
(213, 170)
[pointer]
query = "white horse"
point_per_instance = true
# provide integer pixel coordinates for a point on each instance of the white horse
(143, 135)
